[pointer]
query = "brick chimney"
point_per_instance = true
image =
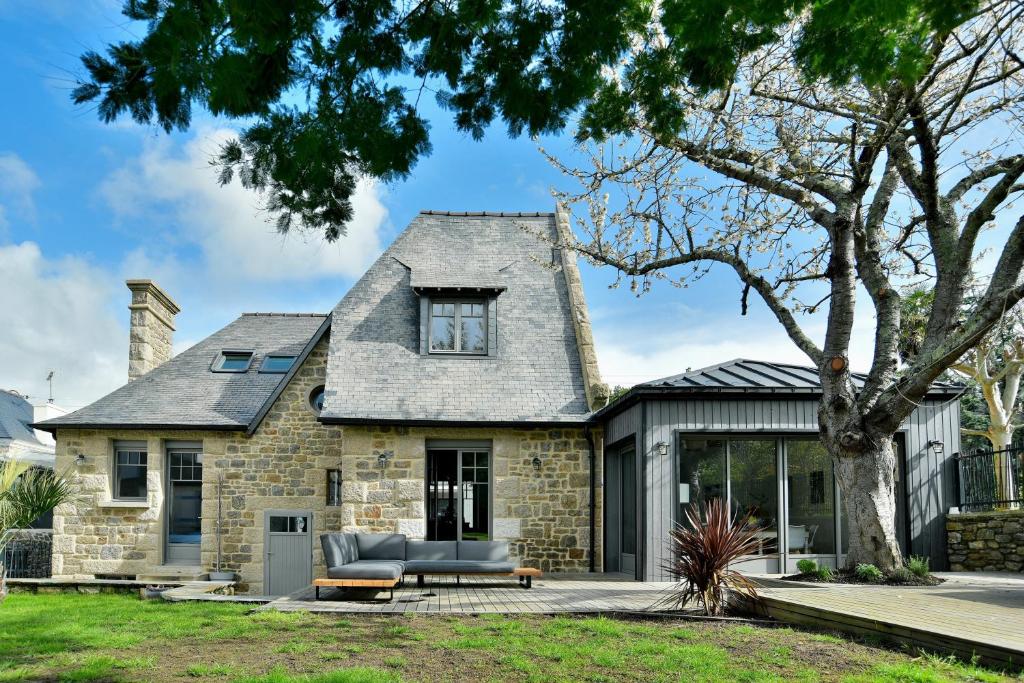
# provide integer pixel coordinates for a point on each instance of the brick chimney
(152, 327)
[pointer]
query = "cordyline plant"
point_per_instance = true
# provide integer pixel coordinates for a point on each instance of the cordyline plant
(26, 493)
(702, 552)
(820, 198)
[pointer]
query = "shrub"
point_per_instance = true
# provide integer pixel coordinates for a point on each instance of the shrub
(868, 572)
(825, 574)
(807, 566)
(919, 566)
(902, 575)
(701, 552)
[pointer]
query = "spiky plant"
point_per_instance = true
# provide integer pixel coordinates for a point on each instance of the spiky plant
(26, 493)
(702, 552)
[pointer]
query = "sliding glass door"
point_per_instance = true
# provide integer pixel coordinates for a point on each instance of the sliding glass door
(458, 494)
(743, 472)
(810, 503)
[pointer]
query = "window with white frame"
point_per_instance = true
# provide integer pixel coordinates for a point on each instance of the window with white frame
(458, 326)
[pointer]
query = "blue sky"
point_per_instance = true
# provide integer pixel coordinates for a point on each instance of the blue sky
(84, 206)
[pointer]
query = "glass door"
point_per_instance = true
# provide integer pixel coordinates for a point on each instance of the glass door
(754, 497)
(745, 473)
(627, 502)
(184, 509)
(810, 504)
(458, 494)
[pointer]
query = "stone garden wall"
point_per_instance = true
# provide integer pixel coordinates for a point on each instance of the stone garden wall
(986, 541)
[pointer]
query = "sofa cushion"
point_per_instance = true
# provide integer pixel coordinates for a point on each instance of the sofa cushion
(458, 567)
(381, 546)
(430, 550)
(367, 569)
(495, 551)
(339, 549)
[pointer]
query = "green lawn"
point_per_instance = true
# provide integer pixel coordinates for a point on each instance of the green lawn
(119, 637)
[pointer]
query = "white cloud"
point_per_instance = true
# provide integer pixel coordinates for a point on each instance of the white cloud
(670, 344)
(17, 184)
(58, 317)
(173, 193)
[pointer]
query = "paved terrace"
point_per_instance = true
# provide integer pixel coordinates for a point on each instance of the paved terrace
(970, 614)
(581, 594)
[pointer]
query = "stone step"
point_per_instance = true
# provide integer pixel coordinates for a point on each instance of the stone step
(174, 573)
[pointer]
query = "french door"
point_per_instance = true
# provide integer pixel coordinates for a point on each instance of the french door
(458, 494)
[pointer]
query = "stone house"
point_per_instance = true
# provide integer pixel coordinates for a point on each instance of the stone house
(446, 396)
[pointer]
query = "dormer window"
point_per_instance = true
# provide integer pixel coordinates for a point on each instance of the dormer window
(277, 364)
(232, 361)
(458, 326)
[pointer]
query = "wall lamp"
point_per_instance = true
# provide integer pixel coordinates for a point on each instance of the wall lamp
(662, 447)
(383, 457)
(80, 459)
(936, 446)
(536, 463)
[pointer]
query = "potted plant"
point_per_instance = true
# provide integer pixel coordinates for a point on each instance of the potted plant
(219, 574)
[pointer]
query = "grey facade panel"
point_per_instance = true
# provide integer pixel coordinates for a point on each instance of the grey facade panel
(929, 476)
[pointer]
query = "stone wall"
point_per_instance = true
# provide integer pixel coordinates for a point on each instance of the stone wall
(151, 331)
(543, 513)
(986, 541)
(33, 546)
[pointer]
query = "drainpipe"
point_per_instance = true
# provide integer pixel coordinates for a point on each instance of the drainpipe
(593, 491)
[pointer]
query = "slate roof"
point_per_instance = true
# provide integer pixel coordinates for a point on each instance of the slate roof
(748, 377)
(184, 393)
(16, 434)
(376, 372)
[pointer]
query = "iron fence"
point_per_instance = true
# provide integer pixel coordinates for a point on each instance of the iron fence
(16, 562)
(990, 479)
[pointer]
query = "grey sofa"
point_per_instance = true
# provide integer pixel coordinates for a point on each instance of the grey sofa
(389, 557)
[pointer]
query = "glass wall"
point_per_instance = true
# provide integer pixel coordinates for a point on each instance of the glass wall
(782, 486)
(812, 499)
(702, 472)
(754, 488)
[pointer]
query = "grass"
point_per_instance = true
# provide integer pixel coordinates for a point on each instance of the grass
(119, 638)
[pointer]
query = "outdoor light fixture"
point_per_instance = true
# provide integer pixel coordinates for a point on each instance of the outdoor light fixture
(662, 447)
(383, 457)
(937, 446)
(536, 463)
(80, 459)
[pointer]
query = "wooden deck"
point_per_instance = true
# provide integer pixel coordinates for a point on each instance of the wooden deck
(482, 595)
(963, 617)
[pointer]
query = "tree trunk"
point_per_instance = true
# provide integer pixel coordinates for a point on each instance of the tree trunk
(3, 582)
(1001, 437)
(867, 482)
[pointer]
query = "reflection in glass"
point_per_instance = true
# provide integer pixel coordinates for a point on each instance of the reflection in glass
(701, 472)
(473, 339)
(812, 506)
(754, 488)
(442, 327)
(457, 511)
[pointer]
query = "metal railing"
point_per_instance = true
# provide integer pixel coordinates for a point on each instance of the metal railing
(990, 479)
(16, 562)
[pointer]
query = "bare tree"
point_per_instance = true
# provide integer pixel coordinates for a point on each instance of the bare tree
(811, 193)
(996, 364)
